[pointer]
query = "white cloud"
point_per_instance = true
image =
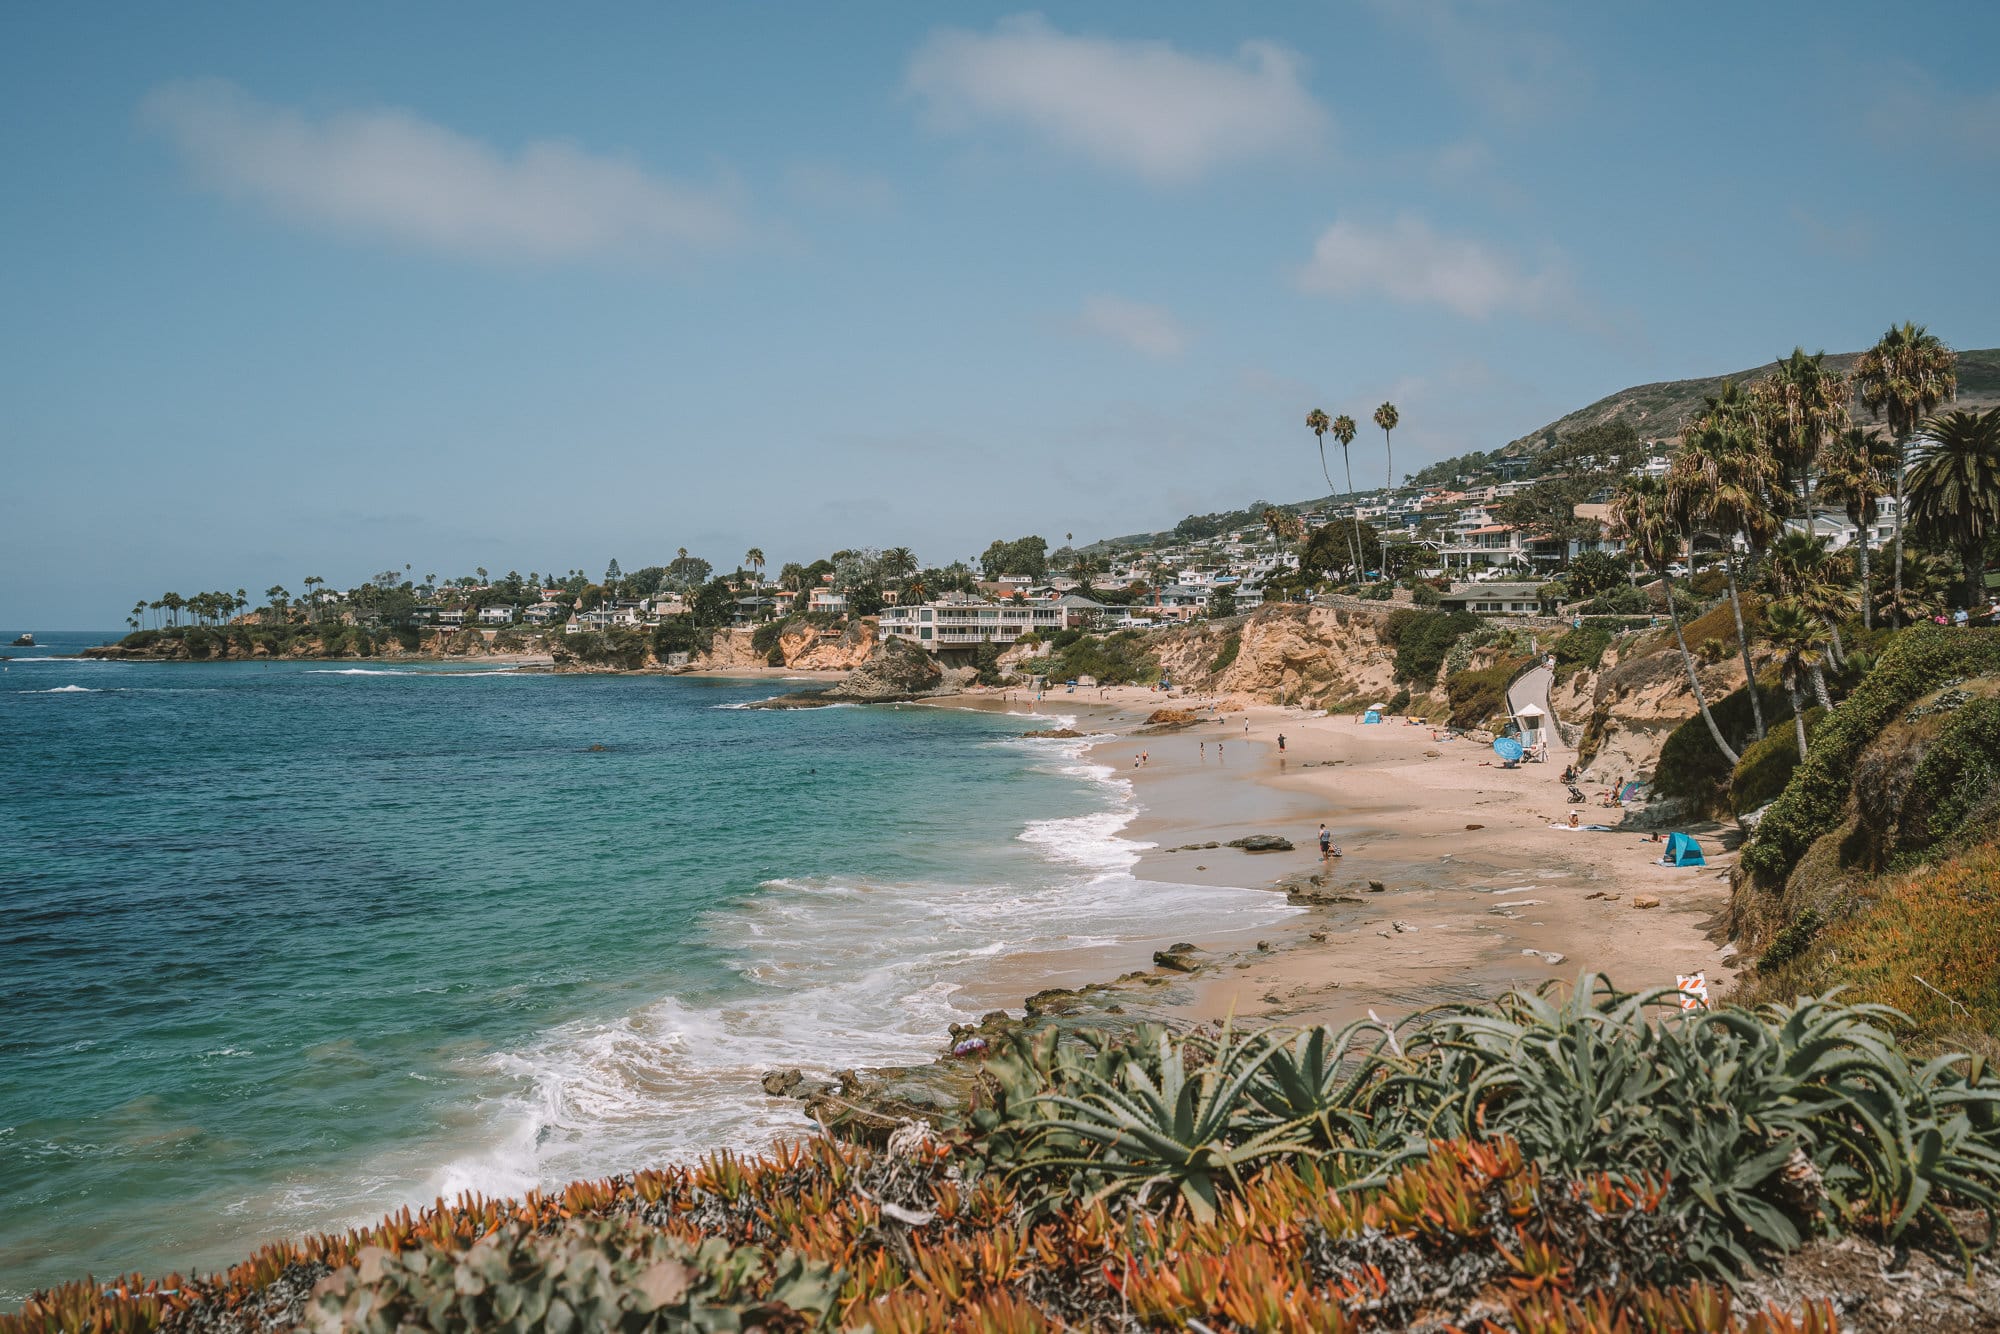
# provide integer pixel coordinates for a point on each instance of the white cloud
(1410, 262)
(1140, 106)
(1151, 330)
(393, 175)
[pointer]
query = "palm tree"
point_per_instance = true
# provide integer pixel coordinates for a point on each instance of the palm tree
(1857, 475)
(1717, 484)
(1809, 411)
(1955, 488)
(1804, 573)
(1319, 424)
(754, 558)
(1641, 515)
(1801, 638)
(1386, 417)
(1343, 431)
(1904, 377)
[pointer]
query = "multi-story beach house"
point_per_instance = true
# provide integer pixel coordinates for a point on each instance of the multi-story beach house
(958, 621)
(497, 614)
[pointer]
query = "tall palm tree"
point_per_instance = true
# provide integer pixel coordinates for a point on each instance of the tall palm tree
(754, 558)
(1856, 476)
(1904, 377)
(1800, 638)
(1343, 431)
(1717, 484)
(1809, 411)
(1386, 417)
(1955, 488)
(1804, 573)
(1641, 515)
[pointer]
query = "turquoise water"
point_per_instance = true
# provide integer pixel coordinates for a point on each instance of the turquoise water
(283, 946)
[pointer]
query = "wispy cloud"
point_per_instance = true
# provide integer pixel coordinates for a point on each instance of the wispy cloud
(1411, 262)
(390, 175)
(1150, 330)
(1140, 106)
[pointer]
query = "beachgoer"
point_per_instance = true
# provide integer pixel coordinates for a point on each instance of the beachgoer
(1575, 819)
(1204, 750)
(1281, 743)
(1325, 840)
(1145, 757)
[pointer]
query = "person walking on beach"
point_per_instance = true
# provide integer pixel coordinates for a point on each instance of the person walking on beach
(1281, 743)
(1325, 840)
(1145, 757)
(1204, 750)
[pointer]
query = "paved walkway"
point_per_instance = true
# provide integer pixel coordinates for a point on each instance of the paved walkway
(1533, 688)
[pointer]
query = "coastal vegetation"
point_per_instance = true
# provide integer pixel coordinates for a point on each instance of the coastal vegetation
(1548, 1163)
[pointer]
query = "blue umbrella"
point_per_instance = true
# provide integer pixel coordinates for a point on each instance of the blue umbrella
(1508, 749)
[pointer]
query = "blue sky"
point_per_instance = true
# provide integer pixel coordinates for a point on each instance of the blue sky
(326, 290)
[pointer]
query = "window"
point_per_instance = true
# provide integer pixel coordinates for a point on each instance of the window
(924, 633)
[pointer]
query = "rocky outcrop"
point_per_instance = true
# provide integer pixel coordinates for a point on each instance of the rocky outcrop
(237, 643)
(896, 670)
(1324, 656)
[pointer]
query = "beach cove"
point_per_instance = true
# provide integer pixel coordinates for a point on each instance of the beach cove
(632, 942)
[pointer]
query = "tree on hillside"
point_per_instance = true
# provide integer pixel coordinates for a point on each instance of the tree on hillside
(1800, 638)
(1387, 417)
(1594, 572)
(1024, 555)
(754, 558)
(1718, 484)
(1806, 410)
(1802, 572)
(688, 572)
(1642, 516)
(1857, 473)
(1343, 431)
(1903, 378)
(1955, 489)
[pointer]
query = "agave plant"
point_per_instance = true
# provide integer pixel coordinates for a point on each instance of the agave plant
(1179, 1125)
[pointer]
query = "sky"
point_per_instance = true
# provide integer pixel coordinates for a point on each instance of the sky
(332, 290)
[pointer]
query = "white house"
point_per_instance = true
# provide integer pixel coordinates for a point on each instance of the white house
(1493, 599)
(496, 615)
(960, 622)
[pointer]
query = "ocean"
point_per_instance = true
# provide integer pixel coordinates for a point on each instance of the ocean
(286, 945)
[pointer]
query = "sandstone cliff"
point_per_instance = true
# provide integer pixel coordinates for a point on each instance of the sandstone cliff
(1328, 657)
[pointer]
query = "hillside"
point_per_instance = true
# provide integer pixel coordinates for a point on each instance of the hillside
(1657, 410)
(1660, 410)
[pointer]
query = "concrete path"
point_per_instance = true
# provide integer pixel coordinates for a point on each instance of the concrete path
(1533, 688)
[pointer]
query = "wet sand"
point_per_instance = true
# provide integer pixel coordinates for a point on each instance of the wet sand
(1479, 893)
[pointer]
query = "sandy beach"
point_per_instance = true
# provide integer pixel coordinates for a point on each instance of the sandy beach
(1477, 892)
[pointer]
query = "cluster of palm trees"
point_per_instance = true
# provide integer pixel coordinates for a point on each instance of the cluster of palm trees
(1343, 430)
(168, 609)
(1755, 455)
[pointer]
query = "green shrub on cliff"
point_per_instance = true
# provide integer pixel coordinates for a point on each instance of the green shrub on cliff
(1476, 696)
(1579, 649)
(1423, 638)
(1767, 765)
(1916, 662)
(1692, 769)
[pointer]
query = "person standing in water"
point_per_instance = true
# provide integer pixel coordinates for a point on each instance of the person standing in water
(1281, 743)
(1325, 840)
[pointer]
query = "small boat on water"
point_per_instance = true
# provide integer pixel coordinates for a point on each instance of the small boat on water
(25, 641)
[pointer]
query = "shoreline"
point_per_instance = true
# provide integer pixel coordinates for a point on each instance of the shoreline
(1478, 894)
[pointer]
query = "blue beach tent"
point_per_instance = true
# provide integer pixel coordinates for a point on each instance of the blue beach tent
(1371, 717)
(1682, 850)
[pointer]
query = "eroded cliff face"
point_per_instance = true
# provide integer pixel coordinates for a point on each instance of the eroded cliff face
(1634, 699)
(809, 648)
(818, 650)
(1327, 657)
